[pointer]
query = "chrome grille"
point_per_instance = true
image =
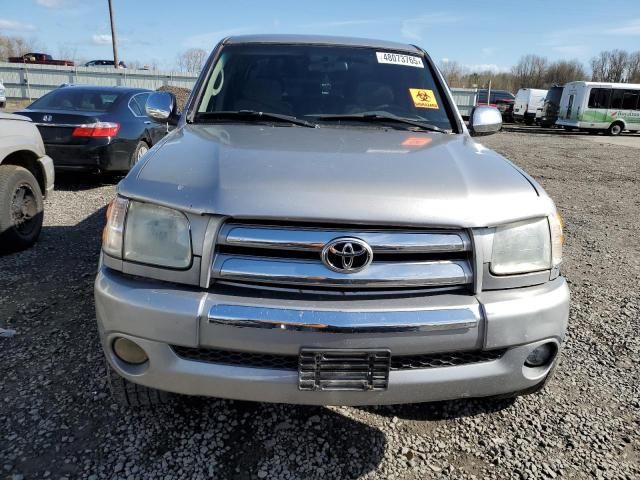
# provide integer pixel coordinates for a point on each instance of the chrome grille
(287, 255)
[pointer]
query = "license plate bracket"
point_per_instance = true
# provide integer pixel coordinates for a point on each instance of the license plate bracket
(358, 370)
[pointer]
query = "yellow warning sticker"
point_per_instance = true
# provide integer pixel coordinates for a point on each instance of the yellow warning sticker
(423, 98)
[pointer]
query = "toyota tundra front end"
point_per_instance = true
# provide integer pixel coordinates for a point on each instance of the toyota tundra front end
(321, 228)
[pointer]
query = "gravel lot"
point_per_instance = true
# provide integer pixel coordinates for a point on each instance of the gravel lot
(57, 421)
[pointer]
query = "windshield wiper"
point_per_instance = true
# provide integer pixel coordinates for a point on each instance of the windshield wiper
(252, 115)
(381, 117)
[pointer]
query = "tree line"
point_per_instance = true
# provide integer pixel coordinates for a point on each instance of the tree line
(535, 71)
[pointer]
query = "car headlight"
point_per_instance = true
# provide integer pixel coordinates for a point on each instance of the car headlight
(147, 233)
(522, 247)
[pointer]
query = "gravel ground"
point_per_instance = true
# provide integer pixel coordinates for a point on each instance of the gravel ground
(57, 421)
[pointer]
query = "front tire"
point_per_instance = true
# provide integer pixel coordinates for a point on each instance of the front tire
(129, 394)
(21, 208)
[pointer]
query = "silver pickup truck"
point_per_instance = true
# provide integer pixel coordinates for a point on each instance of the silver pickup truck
(321, 228)
(26, 177)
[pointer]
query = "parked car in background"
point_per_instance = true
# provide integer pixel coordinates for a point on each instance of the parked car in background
(500, 99)
(600, 107)
(321, 228)
(39, 59)
(95, 129)
(3, 95)
(26, 177)
(551, 107)
(105, 63)
(528, 105)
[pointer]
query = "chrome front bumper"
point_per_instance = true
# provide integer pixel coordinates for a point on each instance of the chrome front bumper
(157, 315)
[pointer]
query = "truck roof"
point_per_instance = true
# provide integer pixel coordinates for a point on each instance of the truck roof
(607, 84)
(322, 40)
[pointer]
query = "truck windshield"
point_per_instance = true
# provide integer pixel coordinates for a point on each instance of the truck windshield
(321, 83)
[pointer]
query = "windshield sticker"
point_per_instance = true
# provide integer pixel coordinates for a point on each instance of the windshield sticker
(423, 98)
(397, 59)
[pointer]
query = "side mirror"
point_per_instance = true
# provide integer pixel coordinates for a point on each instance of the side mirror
(162, 107)
(485, 121)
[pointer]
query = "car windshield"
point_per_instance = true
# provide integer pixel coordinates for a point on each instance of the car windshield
(76, 99)
(319, 83)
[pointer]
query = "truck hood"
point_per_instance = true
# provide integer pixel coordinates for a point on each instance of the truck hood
(347, 174)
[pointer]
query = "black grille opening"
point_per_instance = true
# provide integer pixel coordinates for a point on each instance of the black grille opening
(435, 360)
(231, 357)
(290, 362)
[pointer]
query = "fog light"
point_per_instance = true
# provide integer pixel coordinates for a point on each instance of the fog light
(129, 351)
(541, 355)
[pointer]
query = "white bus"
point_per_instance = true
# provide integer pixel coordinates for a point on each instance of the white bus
(597, 106)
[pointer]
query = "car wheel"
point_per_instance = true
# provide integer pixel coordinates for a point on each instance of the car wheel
(615, 129)
(141, 149)
(21, 208)
(129, 394)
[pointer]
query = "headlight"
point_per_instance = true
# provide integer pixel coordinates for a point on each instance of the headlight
(147, 233)
(521, 247)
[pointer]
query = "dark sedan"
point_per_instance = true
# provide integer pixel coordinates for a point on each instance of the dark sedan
(95, 129)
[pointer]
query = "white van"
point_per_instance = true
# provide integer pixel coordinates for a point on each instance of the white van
(528, 104)
(3, 96)
(599, 106)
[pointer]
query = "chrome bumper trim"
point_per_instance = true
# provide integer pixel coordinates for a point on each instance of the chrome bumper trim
(309, 272)
(343, 322)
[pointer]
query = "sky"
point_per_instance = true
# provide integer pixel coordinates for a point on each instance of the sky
(479, 35)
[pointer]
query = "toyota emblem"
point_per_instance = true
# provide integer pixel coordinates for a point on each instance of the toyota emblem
(347, 255)
(46, 118)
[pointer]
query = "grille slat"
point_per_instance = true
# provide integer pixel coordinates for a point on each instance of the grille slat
(292, 362)
(313, 239)
(283, 256)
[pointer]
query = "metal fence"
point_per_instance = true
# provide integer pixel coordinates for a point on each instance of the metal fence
(465, 99)
(25, 81)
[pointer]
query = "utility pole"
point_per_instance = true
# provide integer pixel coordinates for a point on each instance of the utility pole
(113, 36)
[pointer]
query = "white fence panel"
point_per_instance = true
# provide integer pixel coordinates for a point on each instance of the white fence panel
(25, 81)
(465, 99)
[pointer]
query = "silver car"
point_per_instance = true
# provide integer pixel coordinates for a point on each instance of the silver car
(26, 179)
(321, 228)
